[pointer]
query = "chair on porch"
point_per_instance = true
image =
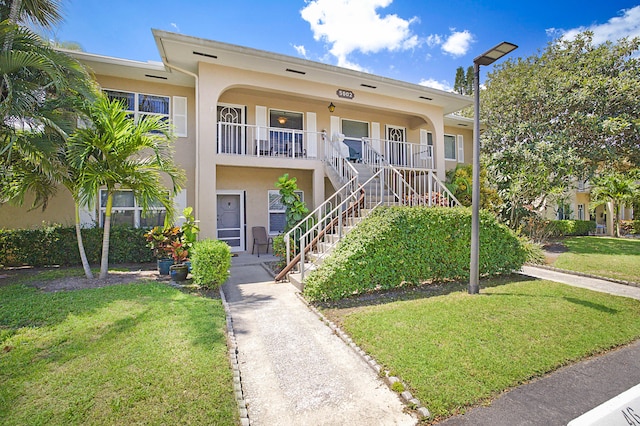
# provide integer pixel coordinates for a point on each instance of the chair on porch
(260, 238)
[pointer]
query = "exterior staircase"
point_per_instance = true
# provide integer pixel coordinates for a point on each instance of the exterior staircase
(366, 185)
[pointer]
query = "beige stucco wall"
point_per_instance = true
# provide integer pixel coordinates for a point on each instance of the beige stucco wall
(59, 210)
(184, 147)
(256, 183)
(467, 135)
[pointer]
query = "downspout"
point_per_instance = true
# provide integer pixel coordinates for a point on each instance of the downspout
(195, 77)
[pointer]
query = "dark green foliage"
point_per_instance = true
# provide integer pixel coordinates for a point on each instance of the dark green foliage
(399, 246)
(211, 260)
(565, 228)
(295, 209)
(57, 245)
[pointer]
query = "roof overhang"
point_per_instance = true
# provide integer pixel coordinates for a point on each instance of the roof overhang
(135, 70)
(186, 52)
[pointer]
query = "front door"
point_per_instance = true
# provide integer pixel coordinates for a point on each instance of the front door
(230, 219)
(231, 137)
(397, 149)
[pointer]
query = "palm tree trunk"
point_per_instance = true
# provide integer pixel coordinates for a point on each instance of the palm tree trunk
(83, 254)
(104, 261)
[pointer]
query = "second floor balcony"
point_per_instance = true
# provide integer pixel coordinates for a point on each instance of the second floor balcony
(261, 141)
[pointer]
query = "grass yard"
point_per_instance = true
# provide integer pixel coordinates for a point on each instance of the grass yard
(456, 350)
(617, 258)
(124, 354)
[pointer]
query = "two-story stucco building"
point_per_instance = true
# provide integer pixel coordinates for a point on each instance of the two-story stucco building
(244, 117)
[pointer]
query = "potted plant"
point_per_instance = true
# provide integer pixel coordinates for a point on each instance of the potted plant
(159, 240)
(190, 231)
(179, 254)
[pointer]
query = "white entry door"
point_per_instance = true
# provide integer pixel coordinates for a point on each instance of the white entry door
(230, 219)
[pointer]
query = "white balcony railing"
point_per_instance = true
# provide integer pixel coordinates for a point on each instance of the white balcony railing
(258, 141)
(405, 155)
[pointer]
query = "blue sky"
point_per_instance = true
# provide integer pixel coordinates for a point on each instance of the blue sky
(412, 40)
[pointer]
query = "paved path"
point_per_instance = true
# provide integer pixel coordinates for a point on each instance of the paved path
(584, 282)
(294, 370)
(565, 394)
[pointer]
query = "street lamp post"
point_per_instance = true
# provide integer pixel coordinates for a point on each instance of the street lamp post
(487, 58)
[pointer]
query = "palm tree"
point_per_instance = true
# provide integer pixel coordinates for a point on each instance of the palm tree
(39, 165)
(118, 152)
(617, 188)
(31, 71)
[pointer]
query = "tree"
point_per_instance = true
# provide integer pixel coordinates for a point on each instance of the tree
(31, 71)
(460, 84)
(459, 182)
(41, 170)
(618, 189)
(464, 82)
(469, 81)
(118, 152)
(39, 91)
(561, 113)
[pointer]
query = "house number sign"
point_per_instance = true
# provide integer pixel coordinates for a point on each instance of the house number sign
(347, 94)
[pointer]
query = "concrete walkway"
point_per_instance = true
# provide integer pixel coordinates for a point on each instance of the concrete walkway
(569, 392)
(603, 286)
(294, 370)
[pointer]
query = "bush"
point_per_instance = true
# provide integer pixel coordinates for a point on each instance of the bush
(566, 228)
(399, 246)
(210, 262)
(57, 245)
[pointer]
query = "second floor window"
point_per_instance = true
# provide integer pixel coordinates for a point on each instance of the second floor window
(140, 104)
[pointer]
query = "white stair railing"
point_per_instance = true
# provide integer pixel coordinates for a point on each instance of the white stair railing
(338, 162)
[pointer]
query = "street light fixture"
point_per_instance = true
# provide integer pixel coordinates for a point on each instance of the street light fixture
(487, 58)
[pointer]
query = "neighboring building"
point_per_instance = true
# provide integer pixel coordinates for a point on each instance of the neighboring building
(244, 117)
(576, 207)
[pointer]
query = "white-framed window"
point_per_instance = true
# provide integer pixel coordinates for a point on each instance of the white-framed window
(126, 211)
(141, 104)
(450, 147)
(277, 211)
(580, 211)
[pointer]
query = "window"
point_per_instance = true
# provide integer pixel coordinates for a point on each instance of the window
(580, 211)
(277, 211)
(449, 147)
(125, 211)
(140, 104)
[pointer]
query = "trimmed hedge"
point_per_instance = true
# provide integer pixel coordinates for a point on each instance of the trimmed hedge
(566, 228)
(57, 245)
(396, 246)
(210, 262)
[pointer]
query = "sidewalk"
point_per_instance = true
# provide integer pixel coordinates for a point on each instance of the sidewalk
(567, 393)
(294, 370)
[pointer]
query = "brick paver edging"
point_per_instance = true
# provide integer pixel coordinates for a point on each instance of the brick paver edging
(582, 274)
(407, 398)
(233, 359)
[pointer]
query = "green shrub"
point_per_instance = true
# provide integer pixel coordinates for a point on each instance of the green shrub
(210, 262)
(57, 245)
(636, 227)
(565, 228)
(534, 251)
(399, 246)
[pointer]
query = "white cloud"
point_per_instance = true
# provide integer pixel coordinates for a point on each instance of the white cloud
(175, 26)
(625, 25)
(434, 40)
(458, 43)
(349, 26)
(435, 84)
(301, 50)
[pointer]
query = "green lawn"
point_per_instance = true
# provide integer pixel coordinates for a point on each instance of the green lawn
(607, 257)
(124, 354)
(457, 350)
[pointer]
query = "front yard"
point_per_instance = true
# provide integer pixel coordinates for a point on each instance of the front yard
(455, 350)
(617, 258)
(139, 353)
